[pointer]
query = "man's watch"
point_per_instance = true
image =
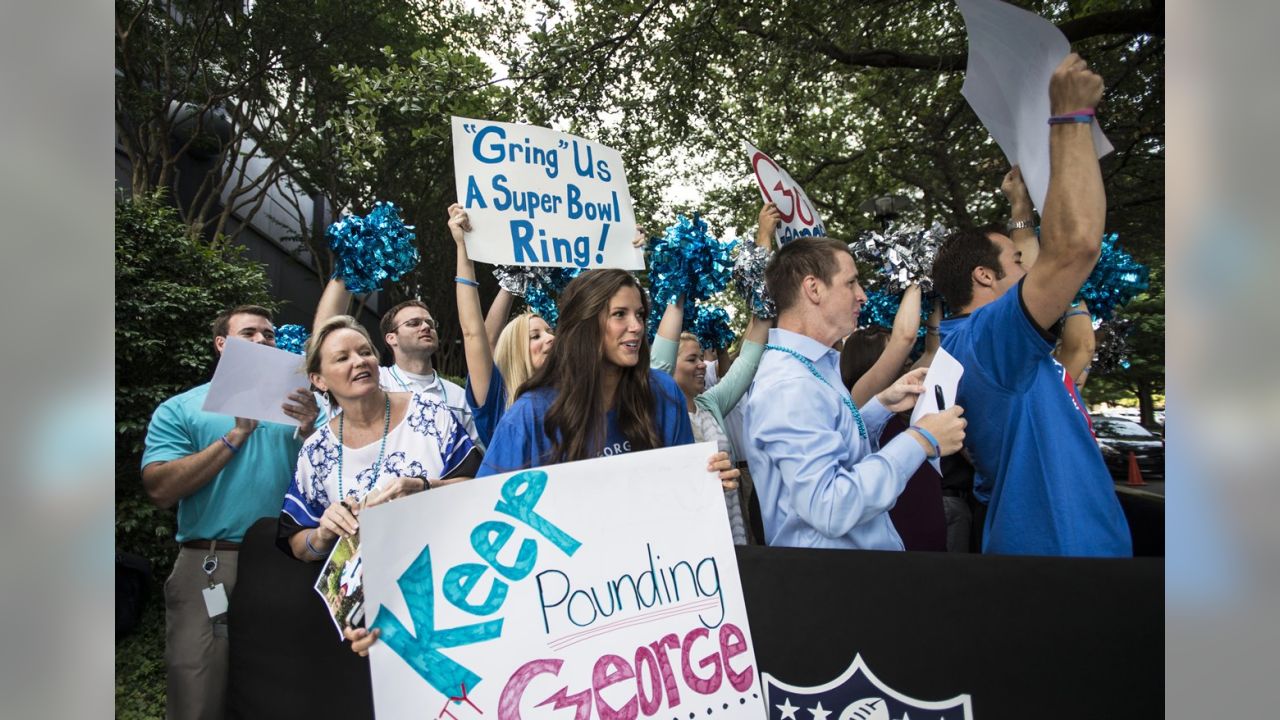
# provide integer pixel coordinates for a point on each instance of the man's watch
(1019, 225)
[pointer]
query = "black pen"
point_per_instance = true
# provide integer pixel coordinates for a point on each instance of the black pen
(937, 394)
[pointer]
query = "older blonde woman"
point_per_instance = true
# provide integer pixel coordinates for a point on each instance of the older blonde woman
(381, 446)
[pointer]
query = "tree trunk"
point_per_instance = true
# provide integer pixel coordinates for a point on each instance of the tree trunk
(1146, 405)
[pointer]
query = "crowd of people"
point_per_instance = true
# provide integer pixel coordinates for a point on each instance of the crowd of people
(809, 416)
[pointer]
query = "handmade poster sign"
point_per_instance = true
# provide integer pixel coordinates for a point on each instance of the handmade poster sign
(605, 588)
(799, 217)
(1012, 55)
(540, 197)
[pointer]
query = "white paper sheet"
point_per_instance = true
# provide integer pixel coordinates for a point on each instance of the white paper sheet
(1012, 54)
(944, 372)
(253, 381)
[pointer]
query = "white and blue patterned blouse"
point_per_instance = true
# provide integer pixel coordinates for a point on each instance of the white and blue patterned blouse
(429, 442)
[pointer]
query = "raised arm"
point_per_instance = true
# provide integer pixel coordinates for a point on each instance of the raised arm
(475, 341)
(1075, 206)
(496, 319)
(932, 336)
(1078, 343)
(735, 382)
(335, 300)
(666, 343)
(888, 367)
(1021, 217)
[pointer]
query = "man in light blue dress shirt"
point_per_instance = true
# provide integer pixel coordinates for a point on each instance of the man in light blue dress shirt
(820, 480)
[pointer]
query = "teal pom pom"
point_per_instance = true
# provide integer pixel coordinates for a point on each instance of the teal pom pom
(372, 249)
(688, 261)
(292, 338)
(1115, 280)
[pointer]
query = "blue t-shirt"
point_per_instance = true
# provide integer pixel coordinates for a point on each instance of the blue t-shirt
(520, 441)
(249, 487)
(488, 415)
(1029, 437)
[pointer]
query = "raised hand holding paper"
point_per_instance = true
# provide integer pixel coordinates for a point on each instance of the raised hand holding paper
(1012, 53)
(252, 381)
(540, 197)
(609, 586)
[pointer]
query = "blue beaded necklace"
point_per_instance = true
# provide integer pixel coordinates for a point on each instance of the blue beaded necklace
(848, 401)
(377, 465)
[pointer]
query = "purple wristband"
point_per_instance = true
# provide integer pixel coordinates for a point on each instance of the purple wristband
(230, 447)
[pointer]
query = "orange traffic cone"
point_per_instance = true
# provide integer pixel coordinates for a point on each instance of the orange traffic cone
(1135, 475)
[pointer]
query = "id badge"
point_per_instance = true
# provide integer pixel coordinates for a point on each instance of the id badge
(215, 600)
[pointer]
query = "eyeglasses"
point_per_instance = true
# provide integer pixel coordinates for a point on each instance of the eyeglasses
(416, 323)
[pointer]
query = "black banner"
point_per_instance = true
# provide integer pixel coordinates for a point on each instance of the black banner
(1023, 637)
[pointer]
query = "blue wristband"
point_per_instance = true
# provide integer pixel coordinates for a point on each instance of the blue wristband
(464, 281)
(230, 447)
(937, 449)
(1070, 119)
(307, 540)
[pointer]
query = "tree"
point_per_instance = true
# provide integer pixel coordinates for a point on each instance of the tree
(225, 94)
(855, 101)
(393, 134)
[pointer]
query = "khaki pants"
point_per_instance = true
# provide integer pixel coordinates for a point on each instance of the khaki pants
(195, 644)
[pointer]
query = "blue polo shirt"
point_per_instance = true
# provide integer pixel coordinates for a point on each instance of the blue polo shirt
(1029, 438)
(520, 442)
(249, 487)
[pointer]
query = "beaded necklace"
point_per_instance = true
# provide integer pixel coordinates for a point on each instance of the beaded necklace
(848, 402)
(377, 465)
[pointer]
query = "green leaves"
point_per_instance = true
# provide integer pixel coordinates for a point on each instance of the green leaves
(169, 287)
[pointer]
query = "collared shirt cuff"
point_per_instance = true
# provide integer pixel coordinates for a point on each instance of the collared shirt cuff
(874, 413)
(905, 454)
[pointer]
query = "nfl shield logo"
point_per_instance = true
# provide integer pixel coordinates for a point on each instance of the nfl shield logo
(856, 695)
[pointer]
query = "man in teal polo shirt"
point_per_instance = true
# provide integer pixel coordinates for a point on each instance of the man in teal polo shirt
(224, 474)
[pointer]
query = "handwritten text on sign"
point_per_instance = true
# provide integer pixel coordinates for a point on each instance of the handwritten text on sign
(608, 586)
(799, 217)
(540, 197)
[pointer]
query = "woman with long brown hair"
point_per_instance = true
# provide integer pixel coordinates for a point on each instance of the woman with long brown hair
(595, 394)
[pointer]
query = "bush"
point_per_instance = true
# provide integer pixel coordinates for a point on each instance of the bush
(169, 288)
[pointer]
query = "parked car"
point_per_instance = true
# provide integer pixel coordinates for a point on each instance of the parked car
(1117, 437)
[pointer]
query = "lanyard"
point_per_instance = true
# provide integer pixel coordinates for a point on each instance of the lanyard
(435, 381)
(848, 401)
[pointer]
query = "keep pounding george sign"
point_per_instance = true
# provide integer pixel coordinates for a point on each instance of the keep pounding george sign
(540, 197)
(609, 586)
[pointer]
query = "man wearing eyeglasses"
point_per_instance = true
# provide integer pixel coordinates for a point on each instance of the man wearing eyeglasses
(410, 332)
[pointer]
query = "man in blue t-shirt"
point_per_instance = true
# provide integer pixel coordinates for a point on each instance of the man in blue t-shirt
(1029, 435)
(223, 473)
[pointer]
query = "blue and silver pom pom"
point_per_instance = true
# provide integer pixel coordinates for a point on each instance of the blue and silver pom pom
(539, 286)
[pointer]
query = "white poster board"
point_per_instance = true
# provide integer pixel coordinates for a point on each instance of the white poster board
(253, 381)
(799, 217)
(540, 197)
(1012, 55)
(607, 582)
